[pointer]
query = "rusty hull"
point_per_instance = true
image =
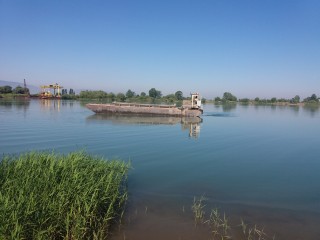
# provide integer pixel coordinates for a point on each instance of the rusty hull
(144, 109)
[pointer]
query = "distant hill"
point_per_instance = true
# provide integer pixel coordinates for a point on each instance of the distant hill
(32, 89)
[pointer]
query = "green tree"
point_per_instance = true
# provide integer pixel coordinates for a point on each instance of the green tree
(229, 97)
(257, 99)
(244, 100)
(130, 94)
(101, 94)
(19, 90)
(121, 97)
(154, 93)
(273, 100)
(203, 100)
(93, 94)
(217, 99)
(311, 99)
(111, 96)
(179, 95)
(296, 99)
(170, 98)
(143, 94)
(282, 100)
(6, 89)
(314, 97)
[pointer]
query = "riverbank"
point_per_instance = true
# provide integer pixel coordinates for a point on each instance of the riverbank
(300, 104)
(51, 196)
(14, 95)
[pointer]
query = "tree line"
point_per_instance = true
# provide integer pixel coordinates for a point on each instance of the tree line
(154, 94)
(131, 95)
(17, 90)
(229, 97)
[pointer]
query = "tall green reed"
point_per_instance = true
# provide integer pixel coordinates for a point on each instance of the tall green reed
(51, 196)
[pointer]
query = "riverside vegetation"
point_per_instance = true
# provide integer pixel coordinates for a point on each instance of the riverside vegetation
(220, 227)
(51, 196)
(155, 96)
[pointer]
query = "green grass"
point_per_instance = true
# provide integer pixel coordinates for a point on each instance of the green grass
(51, 196)
(198, 209)
(220, 227)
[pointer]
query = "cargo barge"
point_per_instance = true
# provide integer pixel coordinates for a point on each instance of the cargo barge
(191, 108)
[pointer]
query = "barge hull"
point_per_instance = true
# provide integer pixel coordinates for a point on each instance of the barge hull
(144, 109)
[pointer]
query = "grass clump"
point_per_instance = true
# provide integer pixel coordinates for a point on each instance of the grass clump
(220, 227)
(198, 209)
(51, 196)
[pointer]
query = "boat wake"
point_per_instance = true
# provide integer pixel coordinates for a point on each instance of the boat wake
(223, 114)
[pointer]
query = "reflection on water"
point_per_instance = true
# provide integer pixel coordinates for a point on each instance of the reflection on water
(229, 107)
(187, 123)
(312, 109)
(226, 107)
(67, 103)
(194, 130)
(219, 114)
(50, 104)
(20, 104)
(55, 104)
(16, 104)
(294, 109)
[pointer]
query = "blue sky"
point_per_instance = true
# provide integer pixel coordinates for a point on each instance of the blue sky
(250, 48)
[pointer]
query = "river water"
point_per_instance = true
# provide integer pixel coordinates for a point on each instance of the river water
(256, 163)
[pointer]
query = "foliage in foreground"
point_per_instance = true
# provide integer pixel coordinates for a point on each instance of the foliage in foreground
(220, 226)
(50, 196)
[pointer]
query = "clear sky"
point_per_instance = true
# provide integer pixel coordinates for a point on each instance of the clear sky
(265, 48)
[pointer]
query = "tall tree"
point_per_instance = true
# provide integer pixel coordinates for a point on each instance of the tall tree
(314, 97)
(112, 96)
(130, 94)
(229, 97)
(296, 99)
(179, 95)
(154, 93)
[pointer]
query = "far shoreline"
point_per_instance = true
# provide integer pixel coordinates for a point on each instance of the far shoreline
(252, 102)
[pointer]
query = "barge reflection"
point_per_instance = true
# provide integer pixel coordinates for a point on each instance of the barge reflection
(187, 123)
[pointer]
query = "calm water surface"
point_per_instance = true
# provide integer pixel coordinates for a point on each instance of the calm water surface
(258, 163)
